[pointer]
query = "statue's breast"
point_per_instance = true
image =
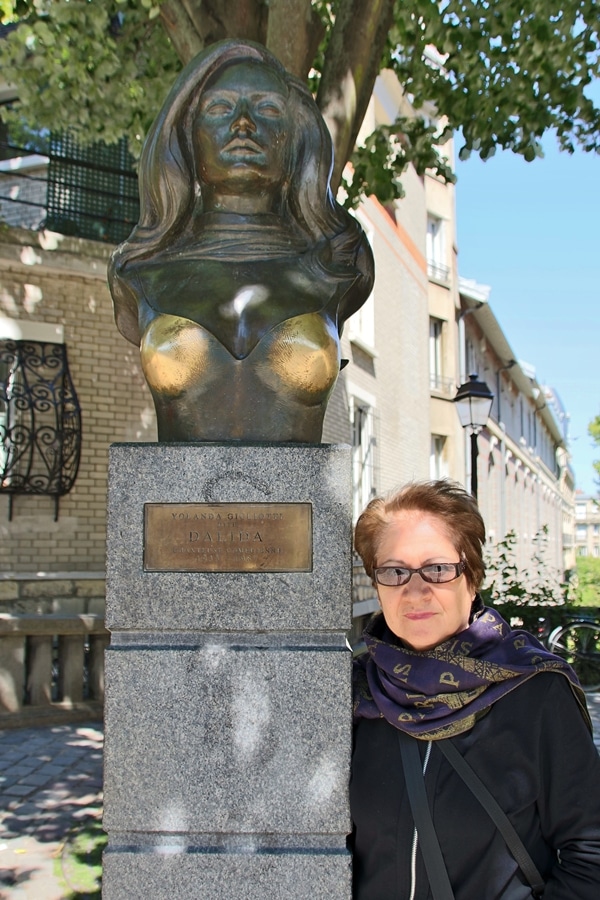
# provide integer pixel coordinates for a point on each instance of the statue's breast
(239, 304)
(297, 359)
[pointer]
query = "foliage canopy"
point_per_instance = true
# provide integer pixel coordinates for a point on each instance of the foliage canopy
(503, 72)
(588, 581)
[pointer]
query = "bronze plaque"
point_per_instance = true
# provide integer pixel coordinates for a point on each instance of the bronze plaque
(227, 537)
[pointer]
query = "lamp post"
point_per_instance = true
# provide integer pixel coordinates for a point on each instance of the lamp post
(474, 402)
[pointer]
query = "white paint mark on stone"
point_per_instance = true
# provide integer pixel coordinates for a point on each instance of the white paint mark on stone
(214, 655)
(323, 782)
(173, 819)
(250, 712)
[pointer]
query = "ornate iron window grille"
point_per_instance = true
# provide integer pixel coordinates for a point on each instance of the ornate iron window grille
(40, 421)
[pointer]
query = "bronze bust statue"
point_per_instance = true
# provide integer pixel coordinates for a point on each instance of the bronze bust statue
(242, 269)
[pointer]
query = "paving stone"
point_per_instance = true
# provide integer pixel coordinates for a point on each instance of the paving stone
(36, 779)
(10, 737)
(7, 780)
(19, 790)
(22, 771)
(50, 770)
(14, 755)
(27, 808)
(34, 761)
(66, 759)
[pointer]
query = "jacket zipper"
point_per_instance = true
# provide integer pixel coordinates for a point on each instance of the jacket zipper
(415, 840)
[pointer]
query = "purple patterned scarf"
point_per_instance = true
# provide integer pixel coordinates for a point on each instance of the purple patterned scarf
(433, 694)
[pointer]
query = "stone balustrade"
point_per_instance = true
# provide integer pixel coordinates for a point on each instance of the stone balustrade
(51, 668)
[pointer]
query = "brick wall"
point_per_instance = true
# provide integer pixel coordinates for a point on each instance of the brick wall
(51, 279)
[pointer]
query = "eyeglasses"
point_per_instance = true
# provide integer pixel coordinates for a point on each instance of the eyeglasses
(436, 573)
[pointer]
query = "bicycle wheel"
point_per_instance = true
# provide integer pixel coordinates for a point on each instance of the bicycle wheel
(579, 645)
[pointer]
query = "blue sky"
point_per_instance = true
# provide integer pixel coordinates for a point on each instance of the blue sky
(532, 232)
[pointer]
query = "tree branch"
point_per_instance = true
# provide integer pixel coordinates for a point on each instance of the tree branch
(293, 34)
(351, 66)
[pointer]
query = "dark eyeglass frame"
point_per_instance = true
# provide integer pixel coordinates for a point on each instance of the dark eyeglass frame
(423, 571)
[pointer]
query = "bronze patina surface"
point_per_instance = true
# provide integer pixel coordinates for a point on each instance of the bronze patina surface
(242, 270)
(228, 537)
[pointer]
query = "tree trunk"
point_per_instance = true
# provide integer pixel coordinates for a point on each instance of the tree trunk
(194, 24)
(293, 34)
(216, 20)
(351, 66)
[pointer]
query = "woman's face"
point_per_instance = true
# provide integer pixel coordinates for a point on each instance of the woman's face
(421, 614)
(240, 131)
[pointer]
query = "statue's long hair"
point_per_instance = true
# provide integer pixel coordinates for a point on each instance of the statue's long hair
(170, 195)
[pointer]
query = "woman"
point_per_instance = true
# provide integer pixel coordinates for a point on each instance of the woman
(441, 669)
(239, 276)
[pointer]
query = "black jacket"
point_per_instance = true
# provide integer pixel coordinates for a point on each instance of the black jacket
(535, 754)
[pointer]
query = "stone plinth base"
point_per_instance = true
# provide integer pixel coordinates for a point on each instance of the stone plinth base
(248, 874)
(228, 707)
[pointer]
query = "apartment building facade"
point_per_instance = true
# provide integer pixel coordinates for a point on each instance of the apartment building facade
(526, 484)
(587, 525)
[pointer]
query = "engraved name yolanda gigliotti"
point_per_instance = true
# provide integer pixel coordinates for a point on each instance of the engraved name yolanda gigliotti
(228, 537)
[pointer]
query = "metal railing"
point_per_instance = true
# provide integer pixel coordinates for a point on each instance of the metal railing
(441, 384)
(89, 192)
(438, 272)
(51, 668)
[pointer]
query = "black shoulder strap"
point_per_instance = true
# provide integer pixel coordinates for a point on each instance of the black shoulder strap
(496, 813)
(430, 848)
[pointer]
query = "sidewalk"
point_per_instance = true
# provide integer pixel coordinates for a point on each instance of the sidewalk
(51, 782)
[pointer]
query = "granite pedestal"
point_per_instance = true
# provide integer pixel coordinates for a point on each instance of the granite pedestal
(228, 706)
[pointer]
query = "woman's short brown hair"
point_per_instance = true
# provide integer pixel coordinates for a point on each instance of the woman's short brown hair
(445, 499)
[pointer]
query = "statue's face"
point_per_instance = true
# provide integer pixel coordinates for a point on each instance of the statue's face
(241, 129)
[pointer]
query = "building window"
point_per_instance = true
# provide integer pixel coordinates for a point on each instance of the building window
(580, 511)
(363, 455)
(581, 532)
(470, 360)
(436, 250)
(438, 467)
(596, 550)
(582, 551)
(436, 357)
(361, 326)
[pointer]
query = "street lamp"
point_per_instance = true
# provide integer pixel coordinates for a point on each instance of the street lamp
(474, 402)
